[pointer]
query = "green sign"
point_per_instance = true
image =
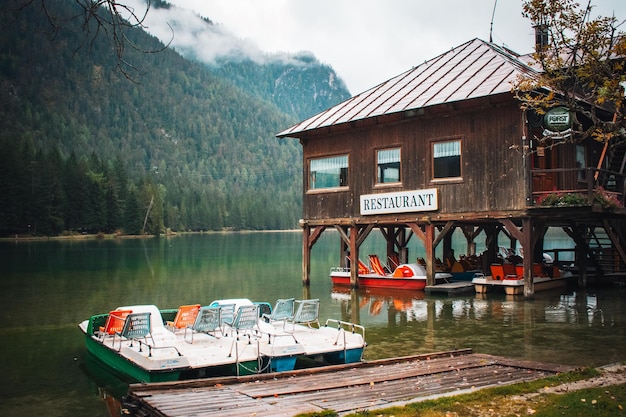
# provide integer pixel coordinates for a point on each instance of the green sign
(558, 119)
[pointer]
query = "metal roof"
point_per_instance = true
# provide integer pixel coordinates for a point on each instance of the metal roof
(472, 70)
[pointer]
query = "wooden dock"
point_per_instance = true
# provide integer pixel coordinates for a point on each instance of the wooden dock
(342, 388)
(450, 288)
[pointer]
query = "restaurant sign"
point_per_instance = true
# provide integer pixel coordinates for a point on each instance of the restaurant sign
(401, 202)
(557, 119)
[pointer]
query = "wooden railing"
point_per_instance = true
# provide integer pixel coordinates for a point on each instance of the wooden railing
(585, 182)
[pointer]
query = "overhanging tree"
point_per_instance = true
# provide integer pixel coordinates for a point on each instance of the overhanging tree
(580, 63)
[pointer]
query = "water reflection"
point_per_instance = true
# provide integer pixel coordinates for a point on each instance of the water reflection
(49, 287)
(559, 327)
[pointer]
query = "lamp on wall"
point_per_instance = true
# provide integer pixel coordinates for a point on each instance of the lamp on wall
(413, 112)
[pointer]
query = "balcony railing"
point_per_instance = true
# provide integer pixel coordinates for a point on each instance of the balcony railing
(584, 186)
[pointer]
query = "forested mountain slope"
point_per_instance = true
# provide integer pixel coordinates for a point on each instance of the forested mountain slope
(82, 147)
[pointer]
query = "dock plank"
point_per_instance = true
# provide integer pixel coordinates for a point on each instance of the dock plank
(450, 288)
(346, 389)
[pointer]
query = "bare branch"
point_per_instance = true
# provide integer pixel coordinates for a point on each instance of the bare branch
(113, 19)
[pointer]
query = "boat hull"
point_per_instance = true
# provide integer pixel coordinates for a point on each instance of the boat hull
(125, 368)
(516, 286)
(367, 281)
(404, 277)
(127, 363)
(171, 355)
(342, 357)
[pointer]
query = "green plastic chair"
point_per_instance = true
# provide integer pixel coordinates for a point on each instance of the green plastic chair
(207, 321)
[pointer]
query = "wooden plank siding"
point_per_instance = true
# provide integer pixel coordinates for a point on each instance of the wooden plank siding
(508, 163)
(492, 170)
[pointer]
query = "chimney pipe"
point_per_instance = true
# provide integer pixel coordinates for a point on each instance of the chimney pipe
(541, 37)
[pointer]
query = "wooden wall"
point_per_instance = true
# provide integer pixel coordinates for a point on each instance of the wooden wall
(492, 163)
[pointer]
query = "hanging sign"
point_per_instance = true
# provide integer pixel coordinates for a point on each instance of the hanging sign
(402, 202)
(558, 119)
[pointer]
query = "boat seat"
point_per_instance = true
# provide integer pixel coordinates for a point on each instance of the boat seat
(208, 320)
(245, 321)
(376, 265)
(502, 271)
(227, 314)
(363, 269)
(282, 310)
(393, 261)
(307, 312)
(136, 327)
(114, 324)
(185, 317)
(265, 308)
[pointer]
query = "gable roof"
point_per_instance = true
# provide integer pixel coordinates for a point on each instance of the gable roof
(472, 70)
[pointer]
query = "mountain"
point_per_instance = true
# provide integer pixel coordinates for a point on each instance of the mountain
(301, 86)
(297, 84)
(177, 143)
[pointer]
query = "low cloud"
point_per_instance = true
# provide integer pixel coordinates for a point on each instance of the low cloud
(197, 37)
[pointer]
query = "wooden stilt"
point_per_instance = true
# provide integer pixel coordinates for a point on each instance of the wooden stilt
(354, 258)
(306, 255)
(308, 240)
(527, 244)
(430, 254)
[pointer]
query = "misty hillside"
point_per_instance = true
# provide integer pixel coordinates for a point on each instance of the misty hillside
(297, 83)
(302, 87)
(82, 147)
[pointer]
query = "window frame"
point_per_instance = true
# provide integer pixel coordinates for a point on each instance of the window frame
(433, 144)
(377, 181)
(343, 173)
(581, 150)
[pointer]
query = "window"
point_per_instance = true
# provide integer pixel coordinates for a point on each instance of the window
(328, 172)
(581, 162)
(447, 159)
(388, 165)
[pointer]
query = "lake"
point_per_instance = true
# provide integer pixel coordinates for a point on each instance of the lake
(49, 287)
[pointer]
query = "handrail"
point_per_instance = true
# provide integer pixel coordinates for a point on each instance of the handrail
(346, 326)
(612, 182)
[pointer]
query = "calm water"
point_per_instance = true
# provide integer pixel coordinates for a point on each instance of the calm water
(49, 287)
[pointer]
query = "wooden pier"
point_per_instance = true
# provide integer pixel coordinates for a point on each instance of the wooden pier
(450, 288)
(342, 388)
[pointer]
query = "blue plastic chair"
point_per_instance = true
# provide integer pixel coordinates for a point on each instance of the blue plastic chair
(282, 311)
(307, 312)
(136, 327)
(207, 321)
(246, 320)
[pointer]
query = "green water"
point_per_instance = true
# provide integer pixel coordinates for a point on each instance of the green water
(49, 287)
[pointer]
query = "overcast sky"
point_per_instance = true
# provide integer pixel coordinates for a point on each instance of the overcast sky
(370, 41)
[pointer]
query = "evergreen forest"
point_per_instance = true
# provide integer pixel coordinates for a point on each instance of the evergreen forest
(178, 145)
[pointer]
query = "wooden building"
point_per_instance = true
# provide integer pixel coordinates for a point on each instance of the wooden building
(443, 146)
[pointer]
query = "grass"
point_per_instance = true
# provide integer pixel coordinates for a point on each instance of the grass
(523, 399)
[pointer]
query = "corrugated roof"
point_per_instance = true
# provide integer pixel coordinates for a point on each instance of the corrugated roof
(472, 70)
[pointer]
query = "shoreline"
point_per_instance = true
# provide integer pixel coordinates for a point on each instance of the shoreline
(113, 236)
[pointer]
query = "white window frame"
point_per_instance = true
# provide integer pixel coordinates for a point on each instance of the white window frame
(328, 172)
(449, 148)
(388, 159)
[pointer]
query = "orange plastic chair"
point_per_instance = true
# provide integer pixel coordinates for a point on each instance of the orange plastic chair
(376, 266)
(114, 322)
(363, 269)
(510, 271)
(393, 260)
(503, 271)
(185, 317)
(538, 270)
